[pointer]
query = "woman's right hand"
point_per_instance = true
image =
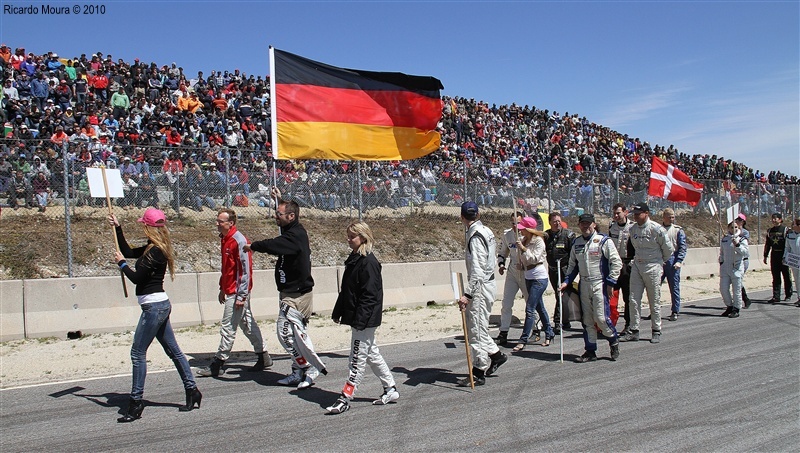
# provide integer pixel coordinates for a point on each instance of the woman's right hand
(112, 220)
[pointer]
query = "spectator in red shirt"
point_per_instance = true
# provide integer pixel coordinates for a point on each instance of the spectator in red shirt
(173, 138)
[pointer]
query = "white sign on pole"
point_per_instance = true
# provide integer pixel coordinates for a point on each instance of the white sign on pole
(712, 206)
(792, 260)
(456, 283)
(94, 176)
(732, 213)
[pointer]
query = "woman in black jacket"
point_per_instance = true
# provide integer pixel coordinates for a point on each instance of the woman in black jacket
(360, 305)
(153, 260)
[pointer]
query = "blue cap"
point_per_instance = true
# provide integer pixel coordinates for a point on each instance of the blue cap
(469, 209)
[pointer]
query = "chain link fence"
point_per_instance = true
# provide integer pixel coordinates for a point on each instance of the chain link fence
(191, 183)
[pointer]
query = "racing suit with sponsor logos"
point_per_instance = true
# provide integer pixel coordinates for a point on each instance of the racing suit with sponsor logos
(295, 284)
(479, 256)
(597, 261)
(731, 269)
(649, 247)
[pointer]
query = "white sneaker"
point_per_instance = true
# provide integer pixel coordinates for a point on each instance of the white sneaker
(311, 374)
(294, 378)
(389, 395)
(341, 405)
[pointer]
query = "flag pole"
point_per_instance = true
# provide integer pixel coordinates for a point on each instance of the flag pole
(560, 306)
(272, 104)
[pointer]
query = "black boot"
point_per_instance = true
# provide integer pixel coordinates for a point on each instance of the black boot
(478, 377)
(193, 396)
(215, 369)
(135, 408)
(264, 361)
(498, 358)
(502, 338)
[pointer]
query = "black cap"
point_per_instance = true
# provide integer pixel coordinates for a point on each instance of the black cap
(640, 207)
(586, 218)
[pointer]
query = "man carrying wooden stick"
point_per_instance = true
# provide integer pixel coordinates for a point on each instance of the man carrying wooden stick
(478, 296)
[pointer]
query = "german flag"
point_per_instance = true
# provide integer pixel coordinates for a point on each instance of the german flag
(324, 112)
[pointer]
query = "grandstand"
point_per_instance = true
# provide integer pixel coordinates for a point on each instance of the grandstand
(190, 143)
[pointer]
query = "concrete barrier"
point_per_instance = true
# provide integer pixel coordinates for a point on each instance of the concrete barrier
(12, 318)
(52, 307)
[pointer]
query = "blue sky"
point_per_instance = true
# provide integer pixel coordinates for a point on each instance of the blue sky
(709, 77)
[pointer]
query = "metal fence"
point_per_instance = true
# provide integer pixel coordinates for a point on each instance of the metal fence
(209, 178)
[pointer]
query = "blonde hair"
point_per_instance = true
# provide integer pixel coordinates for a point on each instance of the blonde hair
(363, 230)
(535, 232)
(668, 211)
(159, 237)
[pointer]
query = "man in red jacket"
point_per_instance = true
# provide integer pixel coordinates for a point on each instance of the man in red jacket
(235, 284)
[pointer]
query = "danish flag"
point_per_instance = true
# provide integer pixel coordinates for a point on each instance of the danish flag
(668, 182)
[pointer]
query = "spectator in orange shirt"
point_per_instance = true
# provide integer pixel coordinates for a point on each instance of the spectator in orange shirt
(59, 137)
(189, 102)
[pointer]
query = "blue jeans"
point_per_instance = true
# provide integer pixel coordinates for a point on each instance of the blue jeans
(535, 304)
(673, 278)
(154, 323)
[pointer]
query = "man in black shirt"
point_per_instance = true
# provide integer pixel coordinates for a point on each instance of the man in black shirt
(776, 242)
(558, 243)
(295, 284)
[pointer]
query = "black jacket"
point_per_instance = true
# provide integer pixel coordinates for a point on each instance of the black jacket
(558, 245)
(360, 302)
(293, 269)
(151, 265)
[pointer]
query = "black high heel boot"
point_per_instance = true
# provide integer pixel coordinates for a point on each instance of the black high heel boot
(134, 411)
(193, 396)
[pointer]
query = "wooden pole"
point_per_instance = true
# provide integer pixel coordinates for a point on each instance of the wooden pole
(113, 230)
(458, 290)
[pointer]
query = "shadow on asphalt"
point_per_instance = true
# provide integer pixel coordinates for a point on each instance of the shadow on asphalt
(323, 398)
(110, 400)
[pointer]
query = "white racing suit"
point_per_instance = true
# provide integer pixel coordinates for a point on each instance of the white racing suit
(363, 351)
(731, 270)
(598, 262)
(650, 248)
(508, 256)
(292, 332)
(479, 255)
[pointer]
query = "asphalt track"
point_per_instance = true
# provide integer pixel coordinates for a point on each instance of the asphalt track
(712, 384)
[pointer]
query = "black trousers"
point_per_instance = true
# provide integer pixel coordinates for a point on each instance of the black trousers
(553, 273)
(624, 282)
(777, 268)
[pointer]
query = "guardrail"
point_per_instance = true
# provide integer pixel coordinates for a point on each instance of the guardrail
(40, 308)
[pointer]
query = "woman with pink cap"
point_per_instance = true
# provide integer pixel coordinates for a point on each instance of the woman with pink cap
(534, 263)
(152, 262)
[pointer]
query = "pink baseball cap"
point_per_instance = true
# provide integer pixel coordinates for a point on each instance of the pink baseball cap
(153, 217)
(742, 216)
(527, 223)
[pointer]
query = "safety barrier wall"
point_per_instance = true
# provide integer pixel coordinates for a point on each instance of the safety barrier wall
(50, 308)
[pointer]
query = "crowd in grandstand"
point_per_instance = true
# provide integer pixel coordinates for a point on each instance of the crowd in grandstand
(205, 138)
